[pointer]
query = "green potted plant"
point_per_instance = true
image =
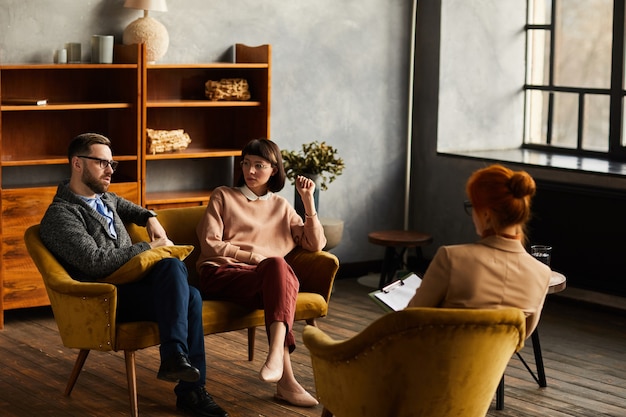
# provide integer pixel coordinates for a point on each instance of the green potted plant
(316, 160)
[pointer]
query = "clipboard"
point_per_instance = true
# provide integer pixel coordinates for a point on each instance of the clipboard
(396, 296)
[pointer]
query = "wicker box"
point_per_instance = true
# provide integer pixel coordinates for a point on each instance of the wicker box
(161, 141)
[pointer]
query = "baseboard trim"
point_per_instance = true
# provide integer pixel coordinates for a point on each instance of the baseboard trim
(592, 297)
(358, 269)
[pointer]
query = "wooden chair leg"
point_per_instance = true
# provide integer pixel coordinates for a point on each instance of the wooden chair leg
(78, 366)
(131, 376)
(251, 340)
(326, 413)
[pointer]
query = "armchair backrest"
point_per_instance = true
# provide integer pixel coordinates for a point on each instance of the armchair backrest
(417, 362)
(180, 225)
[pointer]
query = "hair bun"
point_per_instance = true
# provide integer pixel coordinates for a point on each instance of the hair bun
(522, 184)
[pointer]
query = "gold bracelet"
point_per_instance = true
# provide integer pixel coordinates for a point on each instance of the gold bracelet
(310, 216)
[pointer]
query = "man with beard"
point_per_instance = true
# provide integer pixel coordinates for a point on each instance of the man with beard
(84, 229)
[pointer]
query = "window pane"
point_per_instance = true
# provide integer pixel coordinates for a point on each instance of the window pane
(539, 57)
(539, 12)
(565, 125)
(536, 117)
(596, 128)
(583, 43)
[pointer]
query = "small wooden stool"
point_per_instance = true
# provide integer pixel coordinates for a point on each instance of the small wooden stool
(401, 239)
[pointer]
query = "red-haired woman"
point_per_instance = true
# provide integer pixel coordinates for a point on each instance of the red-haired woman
(496, 271)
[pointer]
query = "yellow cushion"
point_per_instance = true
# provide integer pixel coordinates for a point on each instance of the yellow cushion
(140, 264)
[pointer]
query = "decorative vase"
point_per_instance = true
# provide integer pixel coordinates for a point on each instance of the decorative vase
(298, 205)
(151, 32)
(333, 230)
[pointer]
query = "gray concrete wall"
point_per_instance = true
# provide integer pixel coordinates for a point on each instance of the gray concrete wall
(340, 75)
(469, 56)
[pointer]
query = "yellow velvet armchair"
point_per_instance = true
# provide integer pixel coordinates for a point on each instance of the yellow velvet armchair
(85, 312)
(416, 362)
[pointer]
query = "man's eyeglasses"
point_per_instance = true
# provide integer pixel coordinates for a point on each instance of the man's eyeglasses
(257, 166)
(467, 206)
(102, 162)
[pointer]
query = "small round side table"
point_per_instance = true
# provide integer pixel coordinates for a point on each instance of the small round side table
(396, 242)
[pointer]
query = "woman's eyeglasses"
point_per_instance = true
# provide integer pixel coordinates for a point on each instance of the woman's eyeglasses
(257, 166)
(467, 206)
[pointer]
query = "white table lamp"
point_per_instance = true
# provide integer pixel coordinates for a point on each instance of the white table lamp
(147, 30)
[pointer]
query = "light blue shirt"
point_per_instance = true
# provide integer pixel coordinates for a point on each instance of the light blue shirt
(104, 210)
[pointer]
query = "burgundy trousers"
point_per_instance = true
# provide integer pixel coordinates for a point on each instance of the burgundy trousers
(271, 286)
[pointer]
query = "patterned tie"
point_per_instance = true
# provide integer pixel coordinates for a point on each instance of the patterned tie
(100, 208)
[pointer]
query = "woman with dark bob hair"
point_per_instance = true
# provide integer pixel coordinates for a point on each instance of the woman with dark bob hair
(244, 236)
(496, 271)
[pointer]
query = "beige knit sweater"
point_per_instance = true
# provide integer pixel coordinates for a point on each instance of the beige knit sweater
(235, 229)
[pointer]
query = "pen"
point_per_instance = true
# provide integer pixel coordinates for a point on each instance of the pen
(392, 286)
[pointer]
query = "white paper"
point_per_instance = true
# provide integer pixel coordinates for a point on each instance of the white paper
(399, 295)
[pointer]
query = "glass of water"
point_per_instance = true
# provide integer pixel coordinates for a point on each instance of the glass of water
(542, 253)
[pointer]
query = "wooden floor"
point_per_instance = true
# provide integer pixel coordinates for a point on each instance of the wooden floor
(584, 351)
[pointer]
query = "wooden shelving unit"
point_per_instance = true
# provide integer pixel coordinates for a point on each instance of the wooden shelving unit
(175, 99)
(33, 144)
(120, 101)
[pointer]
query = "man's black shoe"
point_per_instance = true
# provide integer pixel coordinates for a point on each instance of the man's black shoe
(177, 367)
(199, 403)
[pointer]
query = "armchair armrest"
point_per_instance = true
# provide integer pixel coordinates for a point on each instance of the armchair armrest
(315, 270)
(89, 307)
(84, 311)
(60, 282)
(323, 346)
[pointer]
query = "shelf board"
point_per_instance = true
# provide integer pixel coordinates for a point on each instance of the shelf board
(80, 66)
(67, 106)
(194, 153)
(172, 197)
(43, 160)
(201, 103)
(30, 189)
(9, 161)
(214, 65)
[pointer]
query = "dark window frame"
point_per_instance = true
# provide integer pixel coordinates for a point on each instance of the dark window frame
(616, 151)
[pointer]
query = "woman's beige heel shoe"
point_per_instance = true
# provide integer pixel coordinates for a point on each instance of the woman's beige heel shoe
(294, 398)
